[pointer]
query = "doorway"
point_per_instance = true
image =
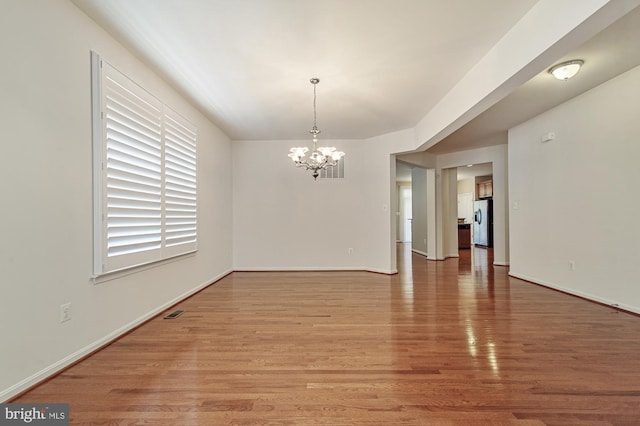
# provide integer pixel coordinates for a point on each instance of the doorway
(474, 185)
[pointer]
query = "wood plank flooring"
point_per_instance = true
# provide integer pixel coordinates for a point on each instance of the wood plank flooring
(453, 342)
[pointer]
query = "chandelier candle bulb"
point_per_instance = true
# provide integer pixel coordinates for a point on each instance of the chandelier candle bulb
(320, 158)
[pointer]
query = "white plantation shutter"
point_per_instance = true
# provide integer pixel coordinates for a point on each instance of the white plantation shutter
(145, 187)
(180, 182)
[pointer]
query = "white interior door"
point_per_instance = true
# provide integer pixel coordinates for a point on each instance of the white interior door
(405, 214)
(465, 207)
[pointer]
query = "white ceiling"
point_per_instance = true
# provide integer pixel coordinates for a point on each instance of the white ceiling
(383, 64)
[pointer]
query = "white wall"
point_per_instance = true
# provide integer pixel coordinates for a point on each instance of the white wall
(575, 199)
(46, 185)
(285, 220)
(434, 223)
(449, 179)
(379, 190)
(419, 207)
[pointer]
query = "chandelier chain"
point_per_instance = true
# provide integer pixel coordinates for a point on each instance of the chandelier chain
(314, 106)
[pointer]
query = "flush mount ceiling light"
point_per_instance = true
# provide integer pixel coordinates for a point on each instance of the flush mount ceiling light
(321, 158)
(566, 70)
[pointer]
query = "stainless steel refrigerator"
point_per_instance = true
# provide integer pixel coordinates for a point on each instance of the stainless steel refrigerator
(483, 223)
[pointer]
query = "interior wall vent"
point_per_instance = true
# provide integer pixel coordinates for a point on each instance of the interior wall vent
(173, 315)
(336, 172)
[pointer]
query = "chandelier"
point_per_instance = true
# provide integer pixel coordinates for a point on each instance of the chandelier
(320, 158)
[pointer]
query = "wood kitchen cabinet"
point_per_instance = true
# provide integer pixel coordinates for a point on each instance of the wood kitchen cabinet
(485, 189)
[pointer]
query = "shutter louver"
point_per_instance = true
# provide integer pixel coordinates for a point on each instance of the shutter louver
(180, 182)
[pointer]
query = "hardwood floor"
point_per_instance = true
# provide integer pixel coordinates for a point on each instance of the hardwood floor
(452, 342)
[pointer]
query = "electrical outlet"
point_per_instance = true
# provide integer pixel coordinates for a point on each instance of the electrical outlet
(350, 251)
(65, 312)
(572, 265)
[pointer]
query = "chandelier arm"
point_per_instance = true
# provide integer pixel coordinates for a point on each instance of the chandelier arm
(306, 165)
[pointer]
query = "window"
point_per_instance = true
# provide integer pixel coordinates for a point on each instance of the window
(145, 194)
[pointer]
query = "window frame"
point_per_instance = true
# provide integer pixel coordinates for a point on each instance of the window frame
(173, 191)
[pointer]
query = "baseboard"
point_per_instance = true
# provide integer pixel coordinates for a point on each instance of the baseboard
(69, 360)
(420, 252)
(382, 271)
(297, 269)
(315, 268)
(500, 263)
(580, 294)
